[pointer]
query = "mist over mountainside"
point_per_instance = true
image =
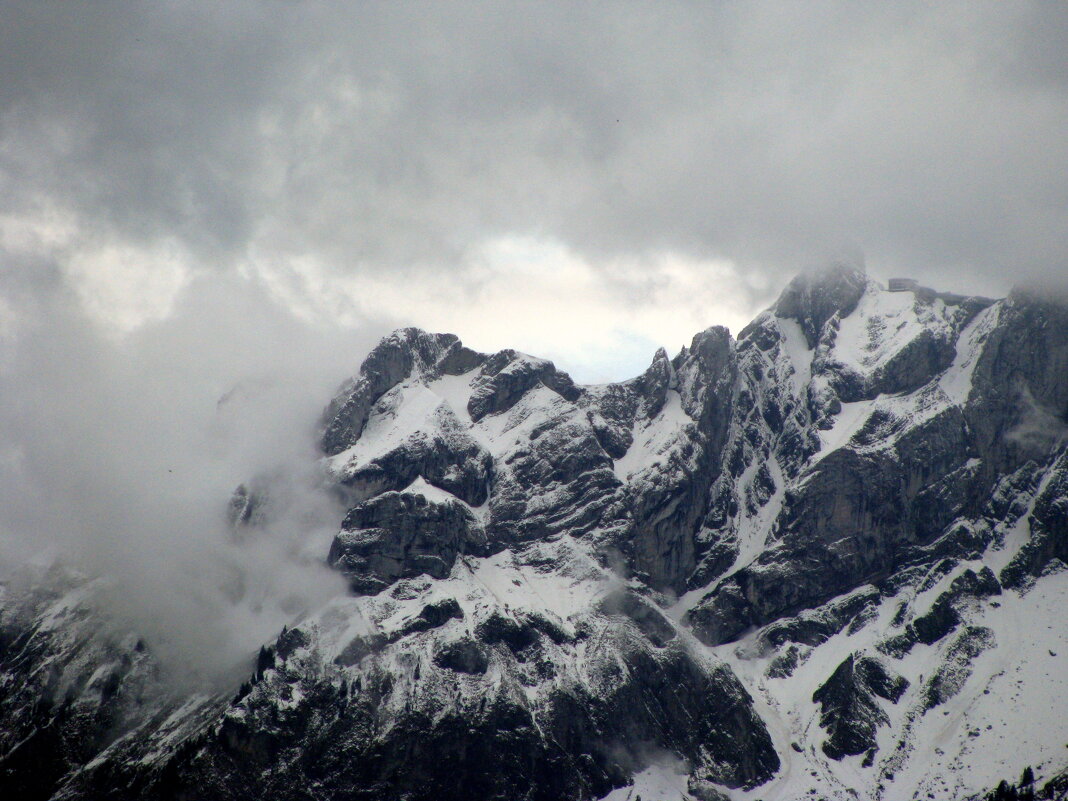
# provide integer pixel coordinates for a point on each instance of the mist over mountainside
(825, 559)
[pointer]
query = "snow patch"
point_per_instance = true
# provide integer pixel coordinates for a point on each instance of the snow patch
(846, 423)
(881, 325)
(455, 390)
(956, 382)
(402, 412)
(653, 438)
(431, 493)
(562, 592)
(797, 351)
(656, 783)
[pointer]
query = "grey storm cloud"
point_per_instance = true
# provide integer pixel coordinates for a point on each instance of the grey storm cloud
(396, 136)
(120, 457)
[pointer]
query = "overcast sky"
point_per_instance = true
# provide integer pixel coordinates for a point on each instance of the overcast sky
(585, 181)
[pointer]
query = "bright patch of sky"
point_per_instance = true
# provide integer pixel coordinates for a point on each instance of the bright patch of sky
(600, 322)
(124, 286)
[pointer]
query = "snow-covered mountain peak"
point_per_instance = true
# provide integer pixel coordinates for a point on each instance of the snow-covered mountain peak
(809, 562)
(813, 298)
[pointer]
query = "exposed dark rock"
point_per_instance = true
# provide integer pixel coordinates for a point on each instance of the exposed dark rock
(897, 645)
(448, 458)
(71, 683)
(802, 481)
(459, 360)
(784, 665)
(649, 621)
(652, 385)
(705, 791)
(289, 641)
(813, 298)
(587, 738)
(1019, 401)
(944, 615)
(434, 615)
(1049, 531)
(849, 711)
(960, 537)
(668, 508)
(722, 616)
(515, 633)
(389, 363)
(914, 365)
(813, 627)
(841, 532)
(359, 648)
(939, 621)
(560, 480)
(957, 665)
(507, 376)
(463, 655)
(399, 534)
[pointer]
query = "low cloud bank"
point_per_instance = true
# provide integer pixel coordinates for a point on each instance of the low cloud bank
(119, 454)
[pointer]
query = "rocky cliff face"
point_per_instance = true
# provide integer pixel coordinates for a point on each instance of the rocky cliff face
(817, 560)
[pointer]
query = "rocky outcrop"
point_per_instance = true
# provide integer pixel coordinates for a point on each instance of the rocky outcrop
(669, 506)
(903, 484)
(915, 364)
(816, 626)
(813, 299)
(1018, 407)
(420, 723)
(1048, 523)
(393, 360)
(556, 478)
(402, 534)
(507, 376)
(956, 667)
(945, 614)
(444, 454)
(849, 710)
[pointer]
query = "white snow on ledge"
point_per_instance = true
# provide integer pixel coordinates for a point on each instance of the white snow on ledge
(846, 423)
(798, 353)
(956, 382)
(400, 413)
(430, 492)
(653, 438)
(656, 783)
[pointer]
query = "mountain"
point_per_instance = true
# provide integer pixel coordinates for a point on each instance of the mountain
(826, 559)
